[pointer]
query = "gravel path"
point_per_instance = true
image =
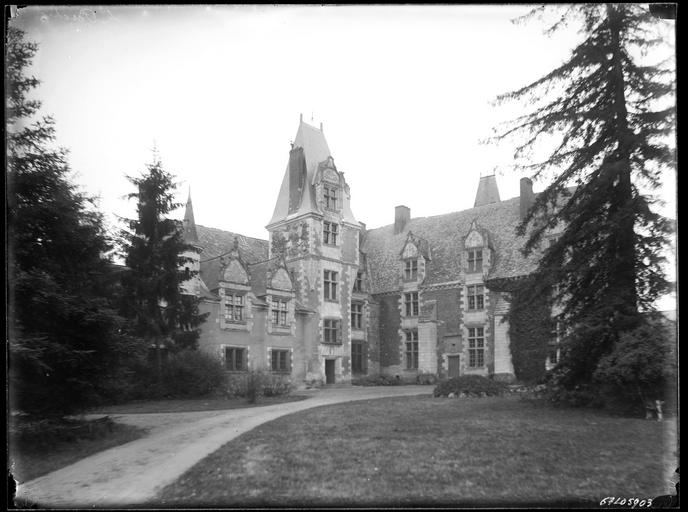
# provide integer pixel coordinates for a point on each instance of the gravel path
(133, 473)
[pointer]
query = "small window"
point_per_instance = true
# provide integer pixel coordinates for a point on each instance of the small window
(280, 360)
(330, 330)
(279, 312)
(411, 303)
(330, 232)
(357, 357)
(412, 349)
(356, 315)
(235, 359)
(330, 280)
(330, 197)
(475, 260)
(358, 283)
(411, 270)
(476, 347)
(234, 307)
(476, 297)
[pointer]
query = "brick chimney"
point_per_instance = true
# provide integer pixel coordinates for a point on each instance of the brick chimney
(527, 196)
(402, 215)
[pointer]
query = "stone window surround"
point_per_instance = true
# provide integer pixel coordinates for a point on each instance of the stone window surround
(330, 233)
(332, 326)
(475, 297)
(411, 270)
(478, 348)
(331, 197)
(475, 260)
(411, 346)
(241, 307)
(411, 304)
(358, 282)
(330, 285)
(359, 315)
(288, 359)
(244, 358)
(282, 311)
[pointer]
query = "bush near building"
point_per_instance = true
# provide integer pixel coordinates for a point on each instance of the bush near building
(470, 385)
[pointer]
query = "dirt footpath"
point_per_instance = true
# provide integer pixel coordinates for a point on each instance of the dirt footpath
(133, 473)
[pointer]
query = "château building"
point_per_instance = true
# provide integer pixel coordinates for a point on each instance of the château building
(326, 299)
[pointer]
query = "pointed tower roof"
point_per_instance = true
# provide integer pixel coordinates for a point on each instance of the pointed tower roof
(190, 234)
(297, 193)
(488, 192)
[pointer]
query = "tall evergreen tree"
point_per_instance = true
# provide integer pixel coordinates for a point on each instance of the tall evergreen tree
(611, 115)
(154, 248)
(64, 333)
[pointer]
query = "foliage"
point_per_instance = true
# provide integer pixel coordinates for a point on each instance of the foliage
(153, 246)
(377, 380)
(65, 336)
(470, 385)
(530, 331)
(426, 378)
(642, 366)
(37, 435)
(609, 114)
(186, 373)
(255, 384)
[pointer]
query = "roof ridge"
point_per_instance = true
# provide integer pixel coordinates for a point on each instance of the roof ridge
(449, 213)
(232, 232)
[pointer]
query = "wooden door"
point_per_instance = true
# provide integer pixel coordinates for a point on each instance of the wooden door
(453, 366)
(329, 371)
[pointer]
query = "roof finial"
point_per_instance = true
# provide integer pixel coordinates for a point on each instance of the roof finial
(301, 117)
(311, 116)
(321, 129)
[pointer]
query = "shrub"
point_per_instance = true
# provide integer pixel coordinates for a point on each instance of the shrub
(377, 380)
(35, 435)
(426, 378)
(254, 384)
(640, 369)
(190, 373)
(471, 385)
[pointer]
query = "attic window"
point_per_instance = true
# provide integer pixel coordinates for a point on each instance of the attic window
(475, 260)
(330, 197)
(411, 269)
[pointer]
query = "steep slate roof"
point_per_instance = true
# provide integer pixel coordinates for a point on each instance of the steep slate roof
(216, 242)
(445, 234)
(316, 151)
(190, 233)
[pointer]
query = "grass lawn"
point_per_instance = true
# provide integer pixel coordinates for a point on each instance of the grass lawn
(191, 405)
(432, 452)
(28, 464)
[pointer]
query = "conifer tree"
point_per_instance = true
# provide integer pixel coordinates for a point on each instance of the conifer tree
(610, 115)
(64, 333)
(153, 247)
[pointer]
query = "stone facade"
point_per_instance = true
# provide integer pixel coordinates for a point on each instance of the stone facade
(325, 299)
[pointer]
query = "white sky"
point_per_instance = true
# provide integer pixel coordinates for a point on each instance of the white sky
(403, 93)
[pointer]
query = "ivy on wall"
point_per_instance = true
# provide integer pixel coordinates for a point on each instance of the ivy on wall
(530, 330)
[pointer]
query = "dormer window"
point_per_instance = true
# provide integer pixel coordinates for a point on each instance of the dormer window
(411, 270)
(330, 232)
(279, 312)
(358, 283)
(234, 307)
(475, 260)
(330, 197)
